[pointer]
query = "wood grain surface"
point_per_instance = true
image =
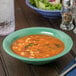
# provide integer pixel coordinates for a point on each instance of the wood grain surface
(26, 17)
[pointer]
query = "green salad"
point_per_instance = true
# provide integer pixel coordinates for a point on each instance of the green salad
(46, 5)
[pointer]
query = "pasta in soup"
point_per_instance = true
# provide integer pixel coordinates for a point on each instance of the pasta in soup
(37, 46)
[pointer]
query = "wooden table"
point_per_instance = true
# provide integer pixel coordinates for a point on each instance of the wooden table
(26, 17)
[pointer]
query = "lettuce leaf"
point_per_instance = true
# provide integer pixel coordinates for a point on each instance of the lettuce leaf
(46, 5)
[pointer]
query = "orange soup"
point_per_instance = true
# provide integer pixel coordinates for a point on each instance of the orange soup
(37, 46)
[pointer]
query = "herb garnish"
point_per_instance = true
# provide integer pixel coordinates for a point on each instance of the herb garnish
(30, 44)
(57, 45)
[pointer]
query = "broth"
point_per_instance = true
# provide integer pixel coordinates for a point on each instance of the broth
(37, 46)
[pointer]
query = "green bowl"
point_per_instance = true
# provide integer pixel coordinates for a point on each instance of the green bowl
(37, 30)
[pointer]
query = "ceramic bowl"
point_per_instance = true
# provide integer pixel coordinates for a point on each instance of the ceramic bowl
(37, 30)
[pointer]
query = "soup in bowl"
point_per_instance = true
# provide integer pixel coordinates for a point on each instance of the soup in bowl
(37, 45)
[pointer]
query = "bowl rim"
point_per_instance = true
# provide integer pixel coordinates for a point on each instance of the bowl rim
(33, 7)
(35, 59)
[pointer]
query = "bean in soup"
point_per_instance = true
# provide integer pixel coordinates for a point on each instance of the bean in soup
(37, 46)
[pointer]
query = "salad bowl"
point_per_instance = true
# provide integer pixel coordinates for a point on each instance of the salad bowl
(55, 13)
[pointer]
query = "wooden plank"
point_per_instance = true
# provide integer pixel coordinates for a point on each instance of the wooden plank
(30, 18)
(2, 71)
(45, 70)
